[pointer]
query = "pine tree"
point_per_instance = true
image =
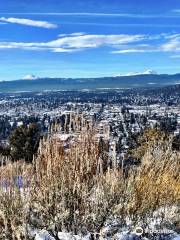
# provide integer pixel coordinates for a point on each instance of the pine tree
(24, 142)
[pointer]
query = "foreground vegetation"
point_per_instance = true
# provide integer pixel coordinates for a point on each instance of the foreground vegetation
(77, 189)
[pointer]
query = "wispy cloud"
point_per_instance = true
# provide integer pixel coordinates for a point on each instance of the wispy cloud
(173, 45)
(124, 25)
(129, 51)
(176, 10)
(134, 49)
(118, 44)
(75, 42)
(175, 56)
(72, 34)
(170, 44)
(101, 14)
(28, 22)
(63, 50)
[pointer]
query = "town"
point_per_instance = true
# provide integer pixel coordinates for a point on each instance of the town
(117, 116)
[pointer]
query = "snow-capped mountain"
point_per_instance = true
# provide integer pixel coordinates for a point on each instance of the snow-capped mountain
(30, 77)
(147, 72)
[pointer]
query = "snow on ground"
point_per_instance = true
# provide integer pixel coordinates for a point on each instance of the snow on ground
(43, 235)
(159, 226)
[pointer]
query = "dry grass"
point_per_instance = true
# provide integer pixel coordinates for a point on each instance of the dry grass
(75, 190)
(14, 200)
(156, 182)
(71, 191)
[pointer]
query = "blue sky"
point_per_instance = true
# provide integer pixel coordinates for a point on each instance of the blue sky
(88, 38)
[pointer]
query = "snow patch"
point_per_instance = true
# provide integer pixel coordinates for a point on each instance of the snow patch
(147, 72)
(30, 77)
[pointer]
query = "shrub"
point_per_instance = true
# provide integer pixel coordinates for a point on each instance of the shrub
(74, 189)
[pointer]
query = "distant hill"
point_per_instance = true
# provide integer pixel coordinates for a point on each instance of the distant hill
(134, 81)
(167, 90)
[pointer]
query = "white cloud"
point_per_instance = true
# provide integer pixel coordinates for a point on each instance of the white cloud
(169, 43)
(119, 44)
(28, 22)
(93, 41)
(175, 56)
(173, 45)
(90, 14)
(63, 50)
(103, 14)
(140, 48)
(176, 10)
(72, 34)
(75, 42)
(129, 51)
(171, 36)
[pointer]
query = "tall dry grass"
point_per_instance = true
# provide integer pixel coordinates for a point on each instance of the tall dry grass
(74, 189)
(156, 182)
(71, 190)
(14, 192)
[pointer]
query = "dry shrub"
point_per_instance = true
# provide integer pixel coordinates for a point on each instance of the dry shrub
(71, 191)
(74, 189)
(14, 200)
(156, 182)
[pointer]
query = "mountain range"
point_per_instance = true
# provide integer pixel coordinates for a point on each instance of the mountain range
(136, 80)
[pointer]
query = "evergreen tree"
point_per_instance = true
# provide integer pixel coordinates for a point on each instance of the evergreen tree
(24, 142)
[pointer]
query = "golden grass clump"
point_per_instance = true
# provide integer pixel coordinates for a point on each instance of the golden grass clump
(156, 182)
(71, 191)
